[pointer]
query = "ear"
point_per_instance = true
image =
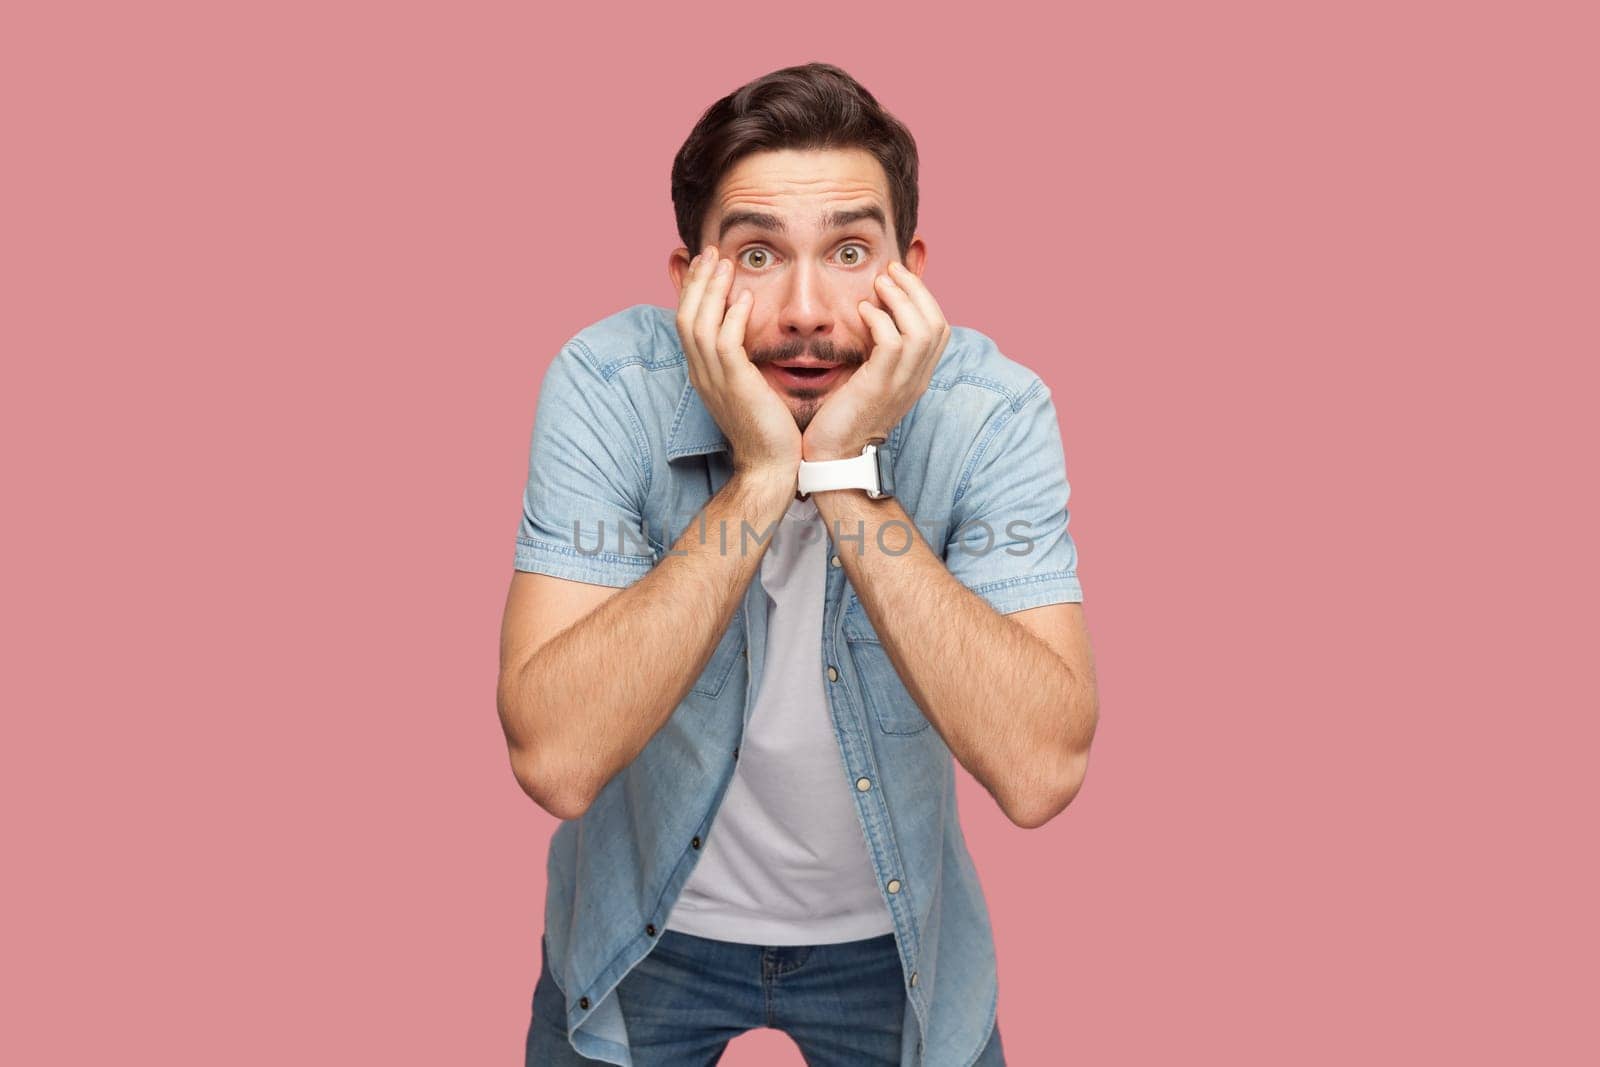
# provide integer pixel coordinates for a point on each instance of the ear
(678, 267)
(917, 255)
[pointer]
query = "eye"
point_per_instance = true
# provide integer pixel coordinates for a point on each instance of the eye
(757, 258)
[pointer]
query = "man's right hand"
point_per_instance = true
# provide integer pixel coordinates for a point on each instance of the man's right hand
(759, 425)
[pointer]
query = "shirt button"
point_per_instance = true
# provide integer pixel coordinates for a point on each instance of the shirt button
(694, 843)
(913, 977)
(736, 752)
(583, 1002)
(833, 675)
(894, 885)
(835, 561)
(650, 928)
(863, 784)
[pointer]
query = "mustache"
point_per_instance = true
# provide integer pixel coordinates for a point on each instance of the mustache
(821, 349)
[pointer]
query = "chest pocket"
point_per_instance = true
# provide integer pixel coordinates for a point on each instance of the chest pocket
(882, 691)
(729, 653)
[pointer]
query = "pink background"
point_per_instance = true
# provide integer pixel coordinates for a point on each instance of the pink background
(1316, 295)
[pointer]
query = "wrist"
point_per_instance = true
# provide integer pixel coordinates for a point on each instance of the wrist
(871, 469)
(766, 482)
(817, 452)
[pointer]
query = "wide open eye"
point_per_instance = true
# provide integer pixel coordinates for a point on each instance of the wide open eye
(757, 258)
(855, 260)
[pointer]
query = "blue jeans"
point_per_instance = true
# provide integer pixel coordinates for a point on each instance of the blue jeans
(843, 1004)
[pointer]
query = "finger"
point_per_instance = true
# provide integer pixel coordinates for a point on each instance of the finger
(693, 298)
(907, 316)
(714, 308)
(914, 328)
(886, 340)
(685, 322)
(689, 298)
(920, 295)
(923, 298)
(730, 340)
(907, 319)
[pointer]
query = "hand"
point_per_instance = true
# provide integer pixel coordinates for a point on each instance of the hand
(760, 427)
(906, 347)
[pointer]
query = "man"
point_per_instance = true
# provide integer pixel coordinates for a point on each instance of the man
(785, 553)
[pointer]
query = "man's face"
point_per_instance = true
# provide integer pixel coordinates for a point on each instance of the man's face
(808, 232)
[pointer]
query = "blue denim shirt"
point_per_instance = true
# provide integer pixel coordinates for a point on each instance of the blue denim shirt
(620, 437)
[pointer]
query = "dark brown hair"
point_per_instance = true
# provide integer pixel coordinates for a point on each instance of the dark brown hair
(815, 105)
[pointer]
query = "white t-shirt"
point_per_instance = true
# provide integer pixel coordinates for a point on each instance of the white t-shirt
(785, 862)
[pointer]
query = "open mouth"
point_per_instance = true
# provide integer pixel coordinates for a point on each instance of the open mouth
(807, 377)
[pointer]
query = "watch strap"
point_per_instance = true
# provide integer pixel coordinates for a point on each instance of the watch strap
(857, 472)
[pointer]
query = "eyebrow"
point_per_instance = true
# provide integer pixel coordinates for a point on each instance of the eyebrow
(833, 220)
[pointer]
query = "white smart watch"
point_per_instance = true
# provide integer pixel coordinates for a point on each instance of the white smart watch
(873, 471)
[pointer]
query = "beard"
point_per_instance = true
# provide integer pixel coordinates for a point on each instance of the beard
(820, 349)
(804, 403)
(805, 409)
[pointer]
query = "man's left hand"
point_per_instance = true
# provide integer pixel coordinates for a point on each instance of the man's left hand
(906, 346)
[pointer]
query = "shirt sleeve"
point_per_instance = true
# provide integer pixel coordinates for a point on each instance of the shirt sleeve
(587, 477)
(1007, 538)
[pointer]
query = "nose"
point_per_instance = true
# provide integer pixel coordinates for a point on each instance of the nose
(805, 315)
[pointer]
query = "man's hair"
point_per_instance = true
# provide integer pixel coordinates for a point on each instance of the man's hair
(815, 105)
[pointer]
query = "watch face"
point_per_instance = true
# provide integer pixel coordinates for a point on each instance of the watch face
(885, 471)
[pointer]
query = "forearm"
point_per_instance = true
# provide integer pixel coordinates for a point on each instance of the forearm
(585, 705)
(1009, 709)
